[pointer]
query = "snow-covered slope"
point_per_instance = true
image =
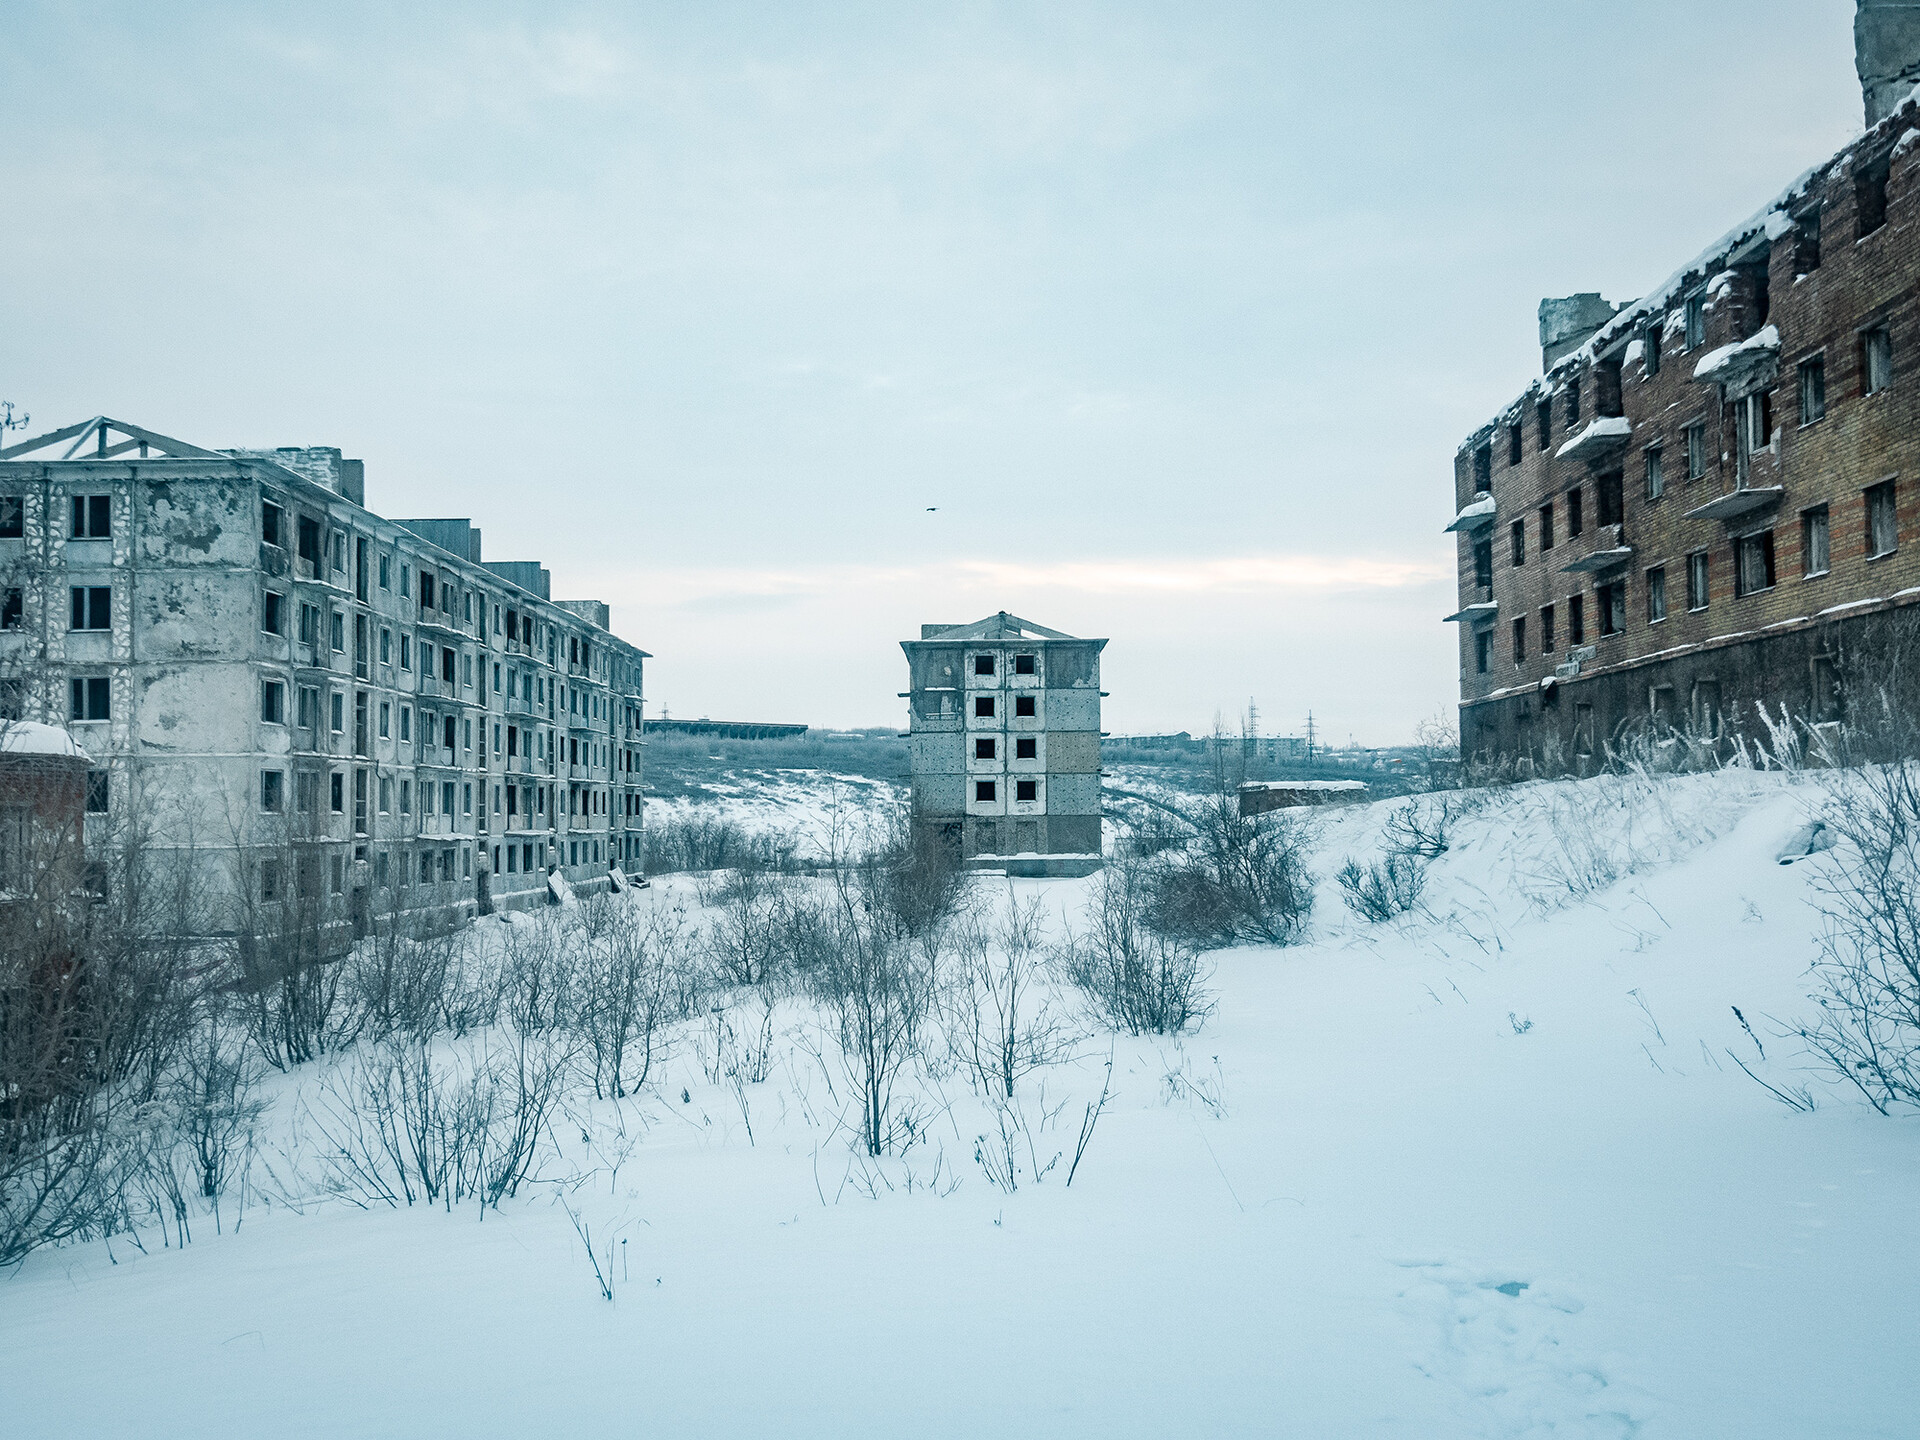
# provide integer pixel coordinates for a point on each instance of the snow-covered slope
(1489, 1170)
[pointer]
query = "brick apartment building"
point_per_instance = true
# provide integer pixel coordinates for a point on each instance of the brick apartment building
(317, 703)
(1710, 500)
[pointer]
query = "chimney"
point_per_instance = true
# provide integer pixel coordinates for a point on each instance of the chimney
(1568, 323)
(1886, 54)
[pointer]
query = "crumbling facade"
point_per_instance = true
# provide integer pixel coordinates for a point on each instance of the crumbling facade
(313, 701)
(1708, 502)
(1005, 743)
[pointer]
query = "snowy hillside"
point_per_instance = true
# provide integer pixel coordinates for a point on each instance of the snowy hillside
(1487, 1169)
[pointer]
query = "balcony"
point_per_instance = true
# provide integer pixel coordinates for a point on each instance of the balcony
(1476, 516)
(1745, 365)
(1603, 440)
(1480, 610)
(1737, 504)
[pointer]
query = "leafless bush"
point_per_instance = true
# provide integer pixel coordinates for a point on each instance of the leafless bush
(1242, 880)
(1136, 976)
(1000, 1023)
(745, 941)
(914, 882)
(407, 1123)
(696, 842)
(537, 972)
(1424, 827)
(1384, 888)
(199, 1134)
(630, 987)
(420, 984)
(1867, 974)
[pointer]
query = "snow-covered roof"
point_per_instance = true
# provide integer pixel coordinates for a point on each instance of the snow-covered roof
(28, 737)
(1771, 221)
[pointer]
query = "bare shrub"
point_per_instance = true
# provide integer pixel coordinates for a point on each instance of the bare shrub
(1424, 828)
(537, 973)
(629, 989)
(1384, 888)
(1136, 976)
(1242, 880)
(914, 882)
(696, 842)
(1867, 973)
(745, 941)
(1000, 1023)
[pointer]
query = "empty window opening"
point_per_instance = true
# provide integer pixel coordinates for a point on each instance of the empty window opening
(983, 665)
(1813, 390)
(1576, 620)
(1656, 594)
(1870, 194)
(1814, 555)
(1608, 504)
(1650, 350)
(1883, 528)
(985, 749)
(986, 790)
(1025, 707)
(1483, 563)
(983, 707)
(1806, 242)
(1753, 430)
(1696, 321)
(1606, 389)
(273, 702)
(13, 517)
(1611, 600)
(1543, 423)
(1876, 359)
(1573, 403)
(1546, 527)
(1827, 698)
(1656, 474)
(1517, 535)
(92, 517)
(1026, 664)
(1697, 580)
(1519, 640)
(1026, 789)
(92, 607)
(1696, 450)
(1516, 444)
(1546, 630)
(1482, 649)
(1753, 564)
(1026, 748)
(1576, 519)
(1483, 467)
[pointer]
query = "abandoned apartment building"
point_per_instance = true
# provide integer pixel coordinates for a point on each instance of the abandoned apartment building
(1004, 743)
(316, 702)
(1708, 501)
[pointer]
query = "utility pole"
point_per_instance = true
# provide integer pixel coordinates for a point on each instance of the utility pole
(8, 422)
(1309, 735)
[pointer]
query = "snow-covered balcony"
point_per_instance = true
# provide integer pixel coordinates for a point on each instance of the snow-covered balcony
(1482, 610)
(1603, 440)
(1744, 364)
(1736, 504)
(1476, 516)
(1604, 557)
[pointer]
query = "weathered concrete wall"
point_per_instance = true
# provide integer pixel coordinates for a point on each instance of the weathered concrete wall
(1886, 54)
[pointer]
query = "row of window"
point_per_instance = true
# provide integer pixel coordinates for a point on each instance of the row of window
(1025, 747)
(986, 707)
(434, 797)
(1022, 664)
(427, 866)
(989, 790)
(1753, 572)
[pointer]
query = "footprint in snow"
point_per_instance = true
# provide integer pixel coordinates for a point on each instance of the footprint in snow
(1511, 1352)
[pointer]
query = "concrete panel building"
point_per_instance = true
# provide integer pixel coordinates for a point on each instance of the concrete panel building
(1707, 503)
(313, 700)
(1004, 743)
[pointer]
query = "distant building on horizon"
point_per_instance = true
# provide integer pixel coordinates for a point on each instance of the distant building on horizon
(1004, 744)
(1709, 501)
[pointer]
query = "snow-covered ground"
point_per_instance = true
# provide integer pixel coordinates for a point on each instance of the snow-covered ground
(1489, 1170)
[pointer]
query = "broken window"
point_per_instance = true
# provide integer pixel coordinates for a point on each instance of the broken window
(1656, 594)
(1650, 350)
(1515, 443)
(272, 607)
(272, 790)
(92, 607)
(1026, 664)
(1026, 789)
(1806, 241)
(1697, 580)
(273, 703)
(1706, 707)
(1813, 390)
(1753, 563)
(1696, 321)
(983, 664)
(1483, 466)
(1609, 498)
(1519, 639)
(337, 792)
(1483, 563)
(1870, 194)
(91, 697)
(426, 591)
(1576, 521)
(1696, 449)
(1482, 649)
(92, 517)
(1876, 359)
(337, 704)
(12, 610)
(1656, 474)
(1026, 747)
(1606, 389)
(1546, 629)
(1883, 529)
(1813, 541)
(1543, 422)
(1573, 403)
(986, 790)
(1576, 620)
(272, 522)
(1753, 427)
(983, 707)
(985, 749)
(1025, 706)
(1611, 600)
(1517, 535)
(1546, 527)
(13, 517)
(1827, 699)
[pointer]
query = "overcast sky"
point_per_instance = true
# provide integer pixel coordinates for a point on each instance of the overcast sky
(784, 328)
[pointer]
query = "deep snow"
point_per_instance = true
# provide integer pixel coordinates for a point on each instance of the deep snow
(1486, 1171)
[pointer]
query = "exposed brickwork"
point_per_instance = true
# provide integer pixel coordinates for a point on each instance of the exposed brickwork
(1753, 646)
